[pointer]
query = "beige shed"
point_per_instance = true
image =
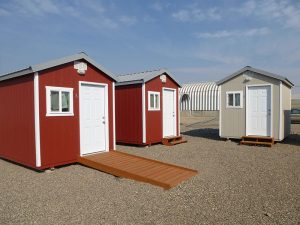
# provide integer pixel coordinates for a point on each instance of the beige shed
(254, 102)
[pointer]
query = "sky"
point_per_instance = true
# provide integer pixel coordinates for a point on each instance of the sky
(195, 40)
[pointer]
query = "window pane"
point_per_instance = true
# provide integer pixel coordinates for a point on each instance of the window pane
(230, 99)
(151, 101)
(156, 101)
(65, 101)
(54, 101)
(238, 99)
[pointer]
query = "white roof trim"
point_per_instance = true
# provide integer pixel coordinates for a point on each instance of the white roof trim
(259, 71)
(143, 77)
(56, 62)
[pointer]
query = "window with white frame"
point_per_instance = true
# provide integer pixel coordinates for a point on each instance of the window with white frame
(153, 101)
(59, 101)
(234, 99)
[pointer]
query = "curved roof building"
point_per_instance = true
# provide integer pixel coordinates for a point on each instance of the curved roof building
(199, 97)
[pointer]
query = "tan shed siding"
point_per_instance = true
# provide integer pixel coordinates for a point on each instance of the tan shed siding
(234, 120)
(286, 110)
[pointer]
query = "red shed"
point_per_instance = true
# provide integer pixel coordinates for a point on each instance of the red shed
(52, 113)
(146, 107)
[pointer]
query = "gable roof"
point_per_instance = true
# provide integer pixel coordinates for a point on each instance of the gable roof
(56, 62)
(142, 77)
(262, 72)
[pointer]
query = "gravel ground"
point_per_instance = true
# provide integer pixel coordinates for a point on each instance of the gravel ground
(235, 185)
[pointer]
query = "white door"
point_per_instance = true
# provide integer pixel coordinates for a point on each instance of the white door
(259, 111)
(169, 112)
(93, 119)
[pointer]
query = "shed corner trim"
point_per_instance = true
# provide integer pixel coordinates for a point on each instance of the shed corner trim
(37, 120)
(144, 112)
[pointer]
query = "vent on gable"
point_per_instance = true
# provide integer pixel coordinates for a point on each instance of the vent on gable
(81, 67)
(163, 78)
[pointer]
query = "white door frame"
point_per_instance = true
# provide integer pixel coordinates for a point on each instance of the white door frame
(175, 106)
(247, 103)
(106, 114)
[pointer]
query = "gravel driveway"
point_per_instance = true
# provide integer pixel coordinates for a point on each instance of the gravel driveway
(235, 185)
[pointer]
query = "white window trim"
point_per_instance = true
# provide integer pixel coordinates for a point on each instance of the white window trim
(48, 101)
(241, 99)
(149, 106)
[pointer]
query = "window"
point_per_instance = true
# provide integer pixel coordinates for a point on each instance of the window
(59, 101)
(153, 101)
(234, 99)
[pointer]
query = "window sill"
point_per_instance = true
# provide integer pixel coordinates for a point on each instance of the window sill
(153, 109)
(234, 107)
(59, 114)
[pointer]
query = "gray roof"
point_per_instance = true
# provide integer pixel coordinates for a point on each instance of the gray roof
(262, 72)
(142, 77)
(53, 63)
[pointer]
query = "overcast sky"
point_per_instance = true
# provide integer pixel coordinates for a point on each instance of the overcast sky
(195, 40)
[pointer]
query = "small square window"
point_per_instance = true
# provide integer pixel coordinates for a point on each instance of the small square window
(59, 101)
(153, 101)
(234, 99)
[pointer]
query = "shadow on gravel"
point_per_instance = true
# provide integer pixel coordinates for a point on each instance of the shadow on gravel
(209, 133)
(293, 139)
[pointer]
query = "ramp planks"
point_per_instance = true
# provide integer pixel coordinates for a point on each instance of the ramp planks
(138, 168)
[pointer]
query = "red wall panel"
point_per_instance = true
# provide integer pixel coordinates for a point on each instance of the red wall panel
(60, 135)
(129, 114)
(17, 141)
(154, 124)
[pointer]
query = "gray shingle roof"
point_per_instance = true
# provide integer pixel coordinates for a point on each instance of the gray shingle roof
(259, 71)
(56, 62)
(142, 77)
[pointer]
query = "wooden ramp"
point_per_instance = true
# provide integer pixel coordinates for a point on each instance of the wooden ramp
(138, 168)
(257, 140)
(173, 140)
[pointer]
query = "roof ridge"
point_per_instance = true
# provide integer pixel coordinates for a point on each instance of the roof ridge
(146, 71)
(200, 82)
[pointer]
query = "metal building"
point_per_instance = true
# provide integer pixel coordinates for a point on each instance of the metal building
(199, 97)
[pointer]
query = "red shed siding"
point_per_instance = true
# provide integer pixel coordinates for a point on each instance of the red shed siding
(17, 120)
(154, 124)
(60, 135)
(129, 127)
